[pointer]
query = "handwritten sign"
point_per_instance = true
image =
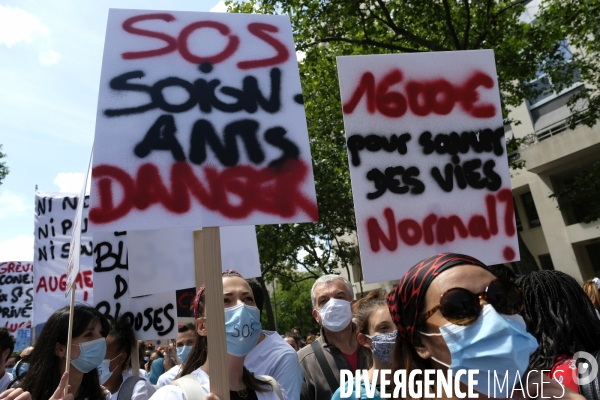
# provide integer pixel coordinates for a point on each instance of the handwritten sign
(427, 159)
(16, 295)
(54, 214)
(200, 123)
(163, 260)
(151, 316)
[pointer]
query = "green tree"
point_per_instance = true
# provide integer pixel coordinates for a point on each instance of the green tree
(326, 29)
(3, 168)
(293, 306)
(579, 22)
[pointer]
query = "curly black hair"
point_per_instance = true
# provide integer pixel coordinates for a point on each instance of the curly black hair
(560, 316)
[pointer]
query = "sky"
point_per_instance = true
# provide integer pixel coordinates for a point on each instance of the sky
(50, 61)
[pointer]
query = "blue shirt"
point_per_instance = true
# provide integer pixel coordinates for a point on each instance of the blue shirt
(156, 370)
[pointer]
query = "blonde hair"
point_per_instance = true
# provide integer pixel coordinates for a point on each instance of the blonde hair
(590, 288)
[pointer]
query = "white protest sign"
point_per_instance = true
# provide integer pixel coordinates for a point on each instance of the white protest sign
(200, 123)
(164, 260)
(16, 295)
(75, 249)
(427, 159)
(153, 316)
(53, 232)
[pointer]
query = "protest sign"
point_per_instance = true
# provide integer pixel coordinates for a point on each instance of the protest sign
(16, 295)
(185, 300)
(208, 130)
(75, 246)
(54, 214)
(152, 316)
(163, 260)
(427, 159)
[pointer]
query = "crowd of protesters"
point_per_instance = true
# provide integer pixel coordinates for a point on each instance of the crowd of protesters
(449, 312)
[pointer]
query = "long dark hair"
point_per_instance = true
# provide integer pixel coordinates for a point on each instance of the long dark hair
(199, 353)
(122, 331)
(560, 316)
(43, 376)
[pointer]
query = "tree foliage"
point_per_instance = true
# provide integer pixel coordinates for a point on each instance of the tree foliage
(324, 29)
(3, 168)
(579, 23)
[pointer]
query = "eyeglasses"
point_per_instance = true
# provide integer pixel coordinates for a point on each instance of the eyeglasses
(462, 307)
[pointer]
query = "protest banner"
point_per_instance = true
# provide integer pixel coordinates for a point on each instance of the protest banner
(153, 316)
(185, 300)
(207, 131)
(427, 158)
(16, 295)
(163, 260)
(54, 214)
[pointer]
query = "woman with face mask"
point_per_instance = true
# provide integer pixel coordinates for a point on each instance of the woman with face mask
(453, 313)
(114, 370)
(242, 329)
(47, 359)
(377, 335)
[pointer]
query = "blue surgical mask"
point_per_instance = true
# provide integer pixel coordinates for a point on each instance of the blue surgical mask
(91, 356)
(9, 370)
(183, 352)
(383, 345)
(494, 343)
(20, 368)
(104, 372)
(242, 329)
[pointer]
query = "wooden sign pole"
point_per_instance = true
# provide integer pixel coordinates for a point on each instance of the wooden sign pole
(135, 359)
(209, 270)
(70, 334)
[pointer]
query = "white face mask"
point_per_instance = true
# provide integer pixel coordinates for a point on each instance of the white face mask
(336, 314)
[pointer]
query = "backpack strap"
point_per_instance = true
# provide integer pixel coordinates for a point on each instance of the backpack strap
(126, 389)
(274, 385)
(192, 389)
(325, 367)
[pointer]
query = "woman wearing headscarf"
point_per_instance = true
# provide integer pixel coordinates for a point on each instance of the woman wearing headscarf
(453, 313)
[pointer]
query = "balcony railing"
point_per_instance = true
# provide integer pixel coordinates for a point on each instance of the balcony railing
(556, 128)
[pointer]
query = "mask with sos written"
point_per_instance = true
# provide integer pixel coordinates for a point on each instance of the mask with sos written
(91, 356)
(242, 329)
(336, 314)
(495, 344)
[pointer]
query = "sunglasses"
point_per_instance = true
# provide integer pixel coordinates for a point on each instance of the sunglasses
(462, 307)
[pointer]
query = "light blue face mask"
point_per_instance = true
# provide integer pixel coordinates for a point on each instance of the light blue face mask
(242, 329)
(496, 343)
(9, 370)
(183, 353)
(20, 368)
(91, 356)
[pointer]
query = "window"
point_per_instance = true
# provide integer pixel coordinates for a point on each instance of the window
(593, 251)
(543, 84)
(530, 210)
(546, 261)
(517, 217)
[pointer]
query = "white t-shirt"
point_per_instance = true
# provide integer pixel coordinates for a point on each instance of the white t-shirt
(172, 392)
(143, 374)
(168, 376)
(6, 379)
(142, 390)
(276, 358)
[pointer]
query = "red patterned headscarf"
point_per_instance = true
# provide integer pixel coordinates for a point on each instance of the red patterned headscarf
(201, 290)
(407, 298)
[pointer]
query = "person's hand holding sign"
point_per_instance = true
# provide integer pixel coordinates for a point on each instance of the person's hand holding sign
(19, 394)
